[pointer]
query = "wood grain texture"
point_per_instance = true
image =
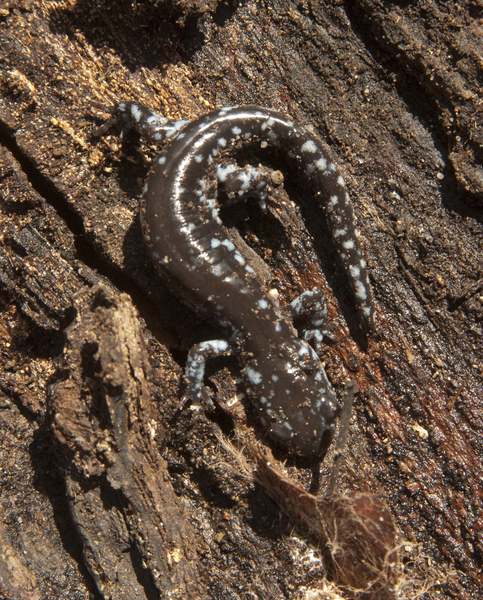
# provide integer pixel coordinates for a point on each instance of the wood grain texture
(394, 89)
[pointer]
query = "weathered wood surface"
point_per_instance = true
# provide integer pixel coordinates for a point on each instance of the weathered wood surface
(395, 90)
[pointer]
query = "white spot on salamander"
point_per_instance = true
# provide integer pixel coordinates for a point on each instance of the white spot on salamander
(361, 291)
(254, 377)
(321, 164)
(309, 146)
(136, 112)
(219, 345)
(229, 245)
(223, 172)
(355, 271)
(340, 232)
(303, 351)
(156, 120)
(239, 258)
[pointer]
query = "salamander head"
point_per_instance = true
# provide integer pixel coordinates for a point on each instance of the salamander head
(295, 399)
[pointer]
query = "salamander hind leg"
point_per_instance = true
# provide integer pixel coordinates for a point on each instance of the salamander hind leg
(240, 183)
(310, 310)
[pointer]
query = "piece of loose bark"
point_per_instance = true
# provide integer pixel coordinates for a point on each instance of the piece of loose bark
(135, 533)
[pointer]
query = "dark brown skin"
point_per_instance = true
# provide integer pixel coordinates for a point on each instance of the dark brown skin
(394, 89)
(190, 246)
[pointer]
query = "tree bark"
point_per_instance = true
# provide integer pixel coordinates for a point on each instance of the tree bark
(108, 487)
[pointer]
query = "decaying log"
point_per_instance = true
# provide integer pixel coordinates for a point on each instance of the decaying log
(95, 450)
(124, 506)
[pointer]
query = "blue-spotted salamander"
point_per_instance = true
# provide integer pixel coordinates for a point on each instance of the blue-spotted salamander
(190, 245)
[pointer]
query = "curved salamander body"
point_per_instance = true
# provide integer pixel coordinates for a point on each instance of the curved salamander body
(187, 241)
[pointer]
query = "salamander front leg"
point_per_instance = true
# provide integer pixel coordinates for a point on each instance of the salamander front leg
(195, 370)
(155, 128)
(310, 310)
